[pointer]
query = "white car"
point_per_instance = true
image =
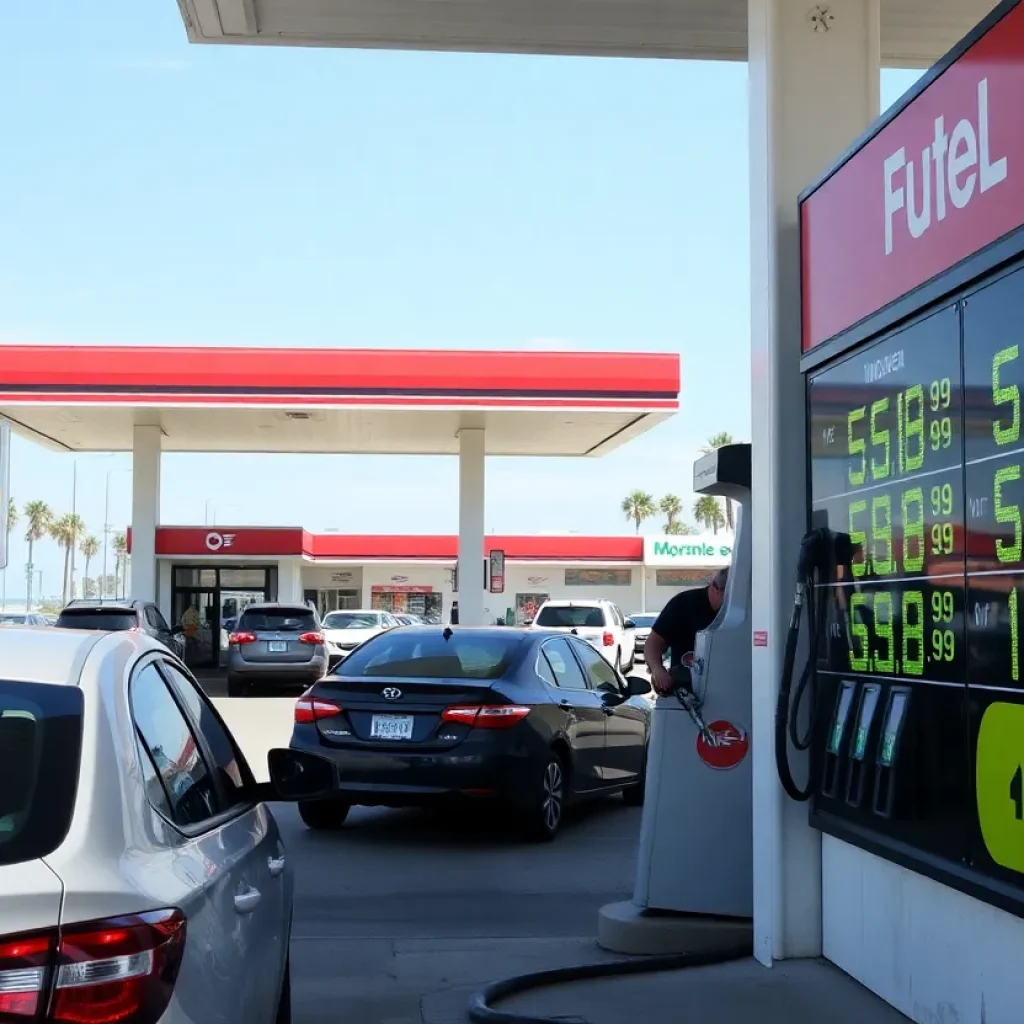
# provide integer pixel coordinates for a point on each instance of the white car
(344, 631)
(600, 623)
(142, 876)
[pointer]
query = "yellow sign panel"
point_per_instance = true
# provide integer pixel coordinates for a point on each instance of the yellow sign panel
(999, 782)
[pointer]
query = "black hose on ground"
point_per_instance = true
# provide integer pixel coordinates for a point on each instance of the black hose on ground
(482, 1012)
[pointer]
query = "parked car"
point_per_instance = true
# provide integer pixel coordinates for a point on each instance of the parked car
(22, 619)
(643, 621)
(600, 623)
(275, 644)
(528, 719)
(346, 630)
(140, 616)
(144, 878)
(405, 619)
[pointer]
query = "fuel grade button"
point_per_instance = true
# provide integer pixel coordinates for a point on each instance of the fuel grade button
(999, 783)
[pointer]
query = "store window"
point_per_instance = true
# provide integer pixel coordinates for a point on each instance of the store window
(598, 577)
(243, 579)
(682, 577)
(194, 576)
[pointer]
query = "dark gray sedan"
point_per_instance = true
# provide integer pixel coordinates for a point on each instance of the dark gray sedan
(274, 645)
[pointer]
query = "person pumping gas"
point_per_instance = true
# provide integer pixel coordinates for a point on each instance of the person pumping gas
(676, 628)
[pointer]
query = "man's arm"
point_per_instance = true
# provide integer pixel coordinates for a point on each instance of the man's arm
(657, 644)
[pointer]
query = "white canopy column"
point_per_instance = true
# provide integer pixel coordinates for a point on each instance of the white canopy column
(471, 526)
(147, 442)
(814, 87)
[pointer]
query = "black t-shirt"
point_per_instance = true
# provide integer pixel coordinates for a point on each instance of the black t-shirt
(682, 619)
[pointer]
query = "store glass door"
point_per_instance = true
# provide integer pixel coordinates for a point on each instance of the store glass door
(197, 615)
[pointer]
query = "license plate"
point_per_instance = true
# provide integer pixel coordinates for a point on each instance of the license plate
(278, 646)
(391, 727)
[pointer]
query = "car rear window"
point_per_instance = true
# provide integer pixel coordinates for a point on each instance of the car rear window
(555, 616)
(644, 621)
(430, 655)
(111, 619)
(40, 745)
(277, 620)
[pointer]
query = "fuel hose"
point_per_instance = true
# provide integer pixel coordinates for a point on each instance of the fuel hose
(482, 1010)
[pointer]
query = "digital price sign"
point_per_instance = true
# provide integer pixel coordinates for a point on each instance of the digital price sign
(917, 455)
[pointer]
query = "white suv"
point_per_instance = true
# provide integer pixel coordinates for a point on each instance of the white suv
(600, 623)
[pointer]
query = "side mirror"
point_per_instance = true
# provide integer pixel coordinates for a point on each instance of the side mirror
(629, 624)
(637, 686)
(297, 775)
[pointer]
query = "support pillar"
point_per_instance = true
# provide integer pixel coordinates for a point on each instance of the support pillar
(471, 527)
(814, 87)
(289, 580)
(146, 445)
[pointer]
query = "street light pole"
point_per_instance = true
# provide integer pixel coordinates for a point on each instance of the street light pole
(74, 512)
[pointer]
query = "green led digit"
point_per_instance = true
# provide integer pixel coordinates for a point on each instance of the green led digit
(942, 605)
(912, 510)
(858, 539)
(883, 630)
(859, 631)
(1005, 396)
(942, 539)
(940, 393)
(913, 630)
(855, 446)
(942, 500)
(943, 645)
(941, 433)
(1014, 638)
(912, 450)
(1007, 514)
(881, 532)
(880, 439)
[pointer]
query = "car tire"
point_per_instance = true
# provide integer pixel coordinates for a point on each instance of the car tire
(323, 815)
(544, 818)
(237, 688)
(284, 1005)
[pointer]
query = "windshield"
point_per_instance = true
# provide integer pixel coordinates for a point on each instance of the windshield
(428, 655)
(96, 618)
(352, 620)
(40, 738)
(277, 620)
(563, 616)
(644, 621)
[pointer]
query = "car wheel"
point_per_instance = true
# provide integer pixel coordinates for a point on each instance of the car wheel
(545, 817)
(284, 1006)
(323, 815)
(237, 688)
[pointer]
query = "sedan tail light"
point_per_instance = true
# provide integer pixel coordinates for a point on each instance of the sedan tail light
(237, 639)
(310, 709)
(486, 716)
(311, 638)
(117, 971)
(608, 640)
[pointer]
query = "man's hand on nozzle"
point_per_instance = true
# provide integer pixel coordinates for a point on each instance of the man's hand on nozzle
(661, 680)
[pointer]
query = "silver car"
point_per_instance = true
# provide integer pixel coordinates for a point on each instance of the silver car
(142, 877)
(275, 644)
(644, 621)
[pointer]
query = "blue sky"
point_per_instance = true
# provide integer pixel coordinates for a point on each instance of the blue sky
(160, 193)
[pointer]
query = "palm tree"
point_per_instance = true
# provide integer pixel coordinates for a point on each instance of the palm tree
(706, 510)
(671, 507)
(638, 506)
(90, 548)
(680, 529)
(716, 441)
(120, 546)
(12, 521)
(66, 531)
(38, 518)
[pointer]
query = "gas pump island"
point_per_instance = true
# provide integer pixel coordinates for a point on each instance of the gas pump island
(694, 876)
(910, 580)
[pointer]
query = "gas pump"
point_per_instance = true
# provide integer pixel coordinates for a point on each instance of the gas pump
(695, 854)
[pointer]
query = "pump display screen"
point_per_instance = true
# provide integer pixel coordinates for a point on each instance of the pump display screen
(917, 455)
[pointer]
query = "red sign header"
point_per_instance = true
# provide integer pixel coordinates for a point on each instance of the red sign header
(942, 180)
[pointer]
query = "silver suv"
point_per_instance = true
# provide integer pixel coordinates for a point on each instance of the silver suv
(275, 644)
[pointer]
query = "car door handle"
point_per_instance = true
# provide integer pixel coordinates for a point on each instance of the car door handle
(275, 865)
(246, 902)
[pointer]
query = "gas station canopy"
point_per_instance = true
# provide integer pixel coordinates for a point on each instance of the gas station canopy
(346, 401)
(913, 32)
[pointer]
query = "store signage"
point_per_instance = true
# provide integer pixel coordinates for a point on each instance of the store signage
(399, 579)
(942, 180)
(216, 541)
(341, 577)
(497, 572)
(704, 551)
(535, 581)
(400, 589)
(257, 541)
